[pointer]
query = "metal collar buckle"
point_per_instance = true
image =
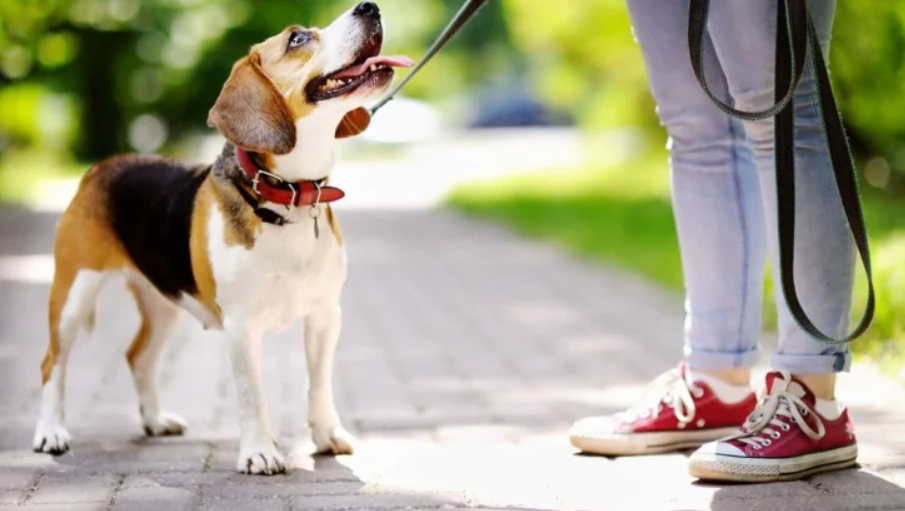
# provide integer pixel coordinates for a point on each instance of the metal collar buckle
(255, 185)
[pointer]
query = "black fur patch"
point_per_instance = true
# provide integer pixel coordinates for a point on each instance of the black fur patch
(151, 204)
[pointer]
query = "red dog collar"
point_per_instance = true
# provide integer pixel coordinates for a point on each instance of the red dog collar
(286, 193)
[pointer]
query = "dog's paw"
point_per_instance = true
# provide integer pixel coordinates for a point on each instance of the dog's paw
(51, 439)
(261, 460)
(164, 424)
(332, 440)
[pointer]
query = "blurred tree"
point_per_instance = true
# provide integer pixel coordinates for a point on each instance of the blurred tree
(583, 57)
(115, 57)
(868, 66)
(141, 72)
(101, 76)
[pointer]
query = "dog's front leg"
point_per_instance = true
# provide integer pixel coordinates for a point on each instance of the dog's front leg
(258, 452)
(322, 328)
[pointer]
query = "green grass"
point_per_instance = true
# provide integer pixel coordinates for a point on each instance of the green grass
(612, 214)
(621, 214)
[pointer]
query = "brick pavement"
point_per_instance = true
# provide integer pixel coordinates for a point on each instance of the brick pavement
(465, 355)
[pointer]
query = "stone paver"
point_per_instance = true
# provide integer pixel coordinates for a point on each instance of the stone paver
(466, 353)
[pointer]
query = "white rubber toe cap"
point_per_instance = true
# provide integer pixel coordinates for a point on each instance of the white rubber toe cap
(713, 449)
(592, 427)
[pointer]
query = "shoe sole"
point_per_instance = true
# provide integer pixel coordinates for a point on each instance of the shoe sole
(713, 467)
(648, 443)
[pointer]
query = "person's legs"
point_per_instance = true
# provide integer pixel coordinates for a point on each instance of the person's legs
(715, 193)
(719, 218)
(799, 429)
(743, 35)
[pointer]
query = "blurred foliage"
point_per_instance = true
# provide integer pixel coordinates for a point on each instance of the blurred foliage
(100, 76)
(584, 58)
(597, 211)
(868, 71)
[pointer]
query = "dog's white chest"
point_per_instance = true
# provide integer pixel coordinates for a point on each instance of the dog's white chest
(286, 274)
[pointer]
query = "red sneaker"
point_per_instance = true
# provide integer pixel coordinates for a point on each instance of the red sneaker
(675, 414)
(784, 439)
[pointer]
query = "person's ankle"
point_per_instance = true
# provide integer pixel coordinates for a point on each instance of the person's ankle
(733, 376)
(822, 385)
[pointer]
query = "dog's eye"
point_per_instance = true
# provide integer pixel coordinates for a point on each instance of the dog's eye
(298, 39)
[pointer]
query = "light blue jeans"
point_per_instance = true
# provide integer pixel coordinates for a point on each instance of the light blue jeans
(724, 193)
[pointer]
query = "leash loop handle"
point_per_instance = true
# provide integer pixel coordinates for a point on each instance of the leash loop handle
(794, 21)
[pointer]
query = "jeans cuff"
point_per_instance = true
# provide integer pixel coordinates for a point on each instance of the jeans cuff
(713, 360)
(813, 364)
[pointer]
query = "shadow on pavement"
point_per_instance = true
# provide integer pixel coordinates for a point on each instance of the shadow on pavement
(853, 489)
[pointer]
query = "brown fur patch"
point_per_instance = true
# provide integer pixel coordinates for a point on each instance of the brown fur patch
(241, 223)
(59, 291)
(140, 341)
(198, 245)
(334, 225)
(265, 93)
(299, 105)
(251, 113)
(84, 240)
(290, 70)
(267, 160)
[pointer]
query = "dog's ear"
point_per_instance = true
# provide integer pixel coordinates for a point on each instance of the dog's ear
(251, 113)
(353, 123)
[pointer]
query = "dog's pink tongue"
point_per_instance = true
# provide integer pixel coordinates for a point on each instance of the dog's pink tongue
(386, 60)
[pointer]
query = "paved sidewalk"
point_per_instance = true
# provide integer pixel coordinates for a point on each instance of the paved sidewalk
(466, 353)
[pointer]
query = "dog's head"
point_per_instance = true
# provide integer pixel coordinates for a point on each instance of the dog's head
(301, 72)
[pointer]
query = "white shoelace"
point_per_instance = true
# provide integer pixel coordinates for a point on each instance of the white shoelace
(669, 389)
(764, 426)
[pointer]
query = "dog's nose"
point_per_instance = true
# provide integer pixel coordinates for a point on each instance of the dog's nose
(369, 9)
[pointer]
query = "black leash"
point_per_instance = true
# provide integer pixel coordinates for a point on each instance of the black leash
(469, 8)
(796, 33)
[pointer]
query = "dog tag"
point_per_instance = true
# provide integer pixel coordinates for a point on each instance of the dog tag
(314, 212)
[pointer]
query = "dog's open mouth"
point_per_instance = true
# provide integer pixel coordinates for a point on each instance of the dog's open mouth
(369, 68)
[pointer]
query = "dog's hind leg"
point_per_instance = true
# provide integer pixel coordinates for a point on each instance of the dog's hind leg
(322, 328)
(72, 301)
(158, 317)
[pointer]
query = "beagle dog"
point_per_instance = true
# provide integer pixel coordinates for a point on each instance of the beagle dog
(247, 244)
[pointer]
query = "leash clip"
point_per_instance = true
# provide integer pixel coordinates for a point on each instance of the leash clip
(315, 211)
